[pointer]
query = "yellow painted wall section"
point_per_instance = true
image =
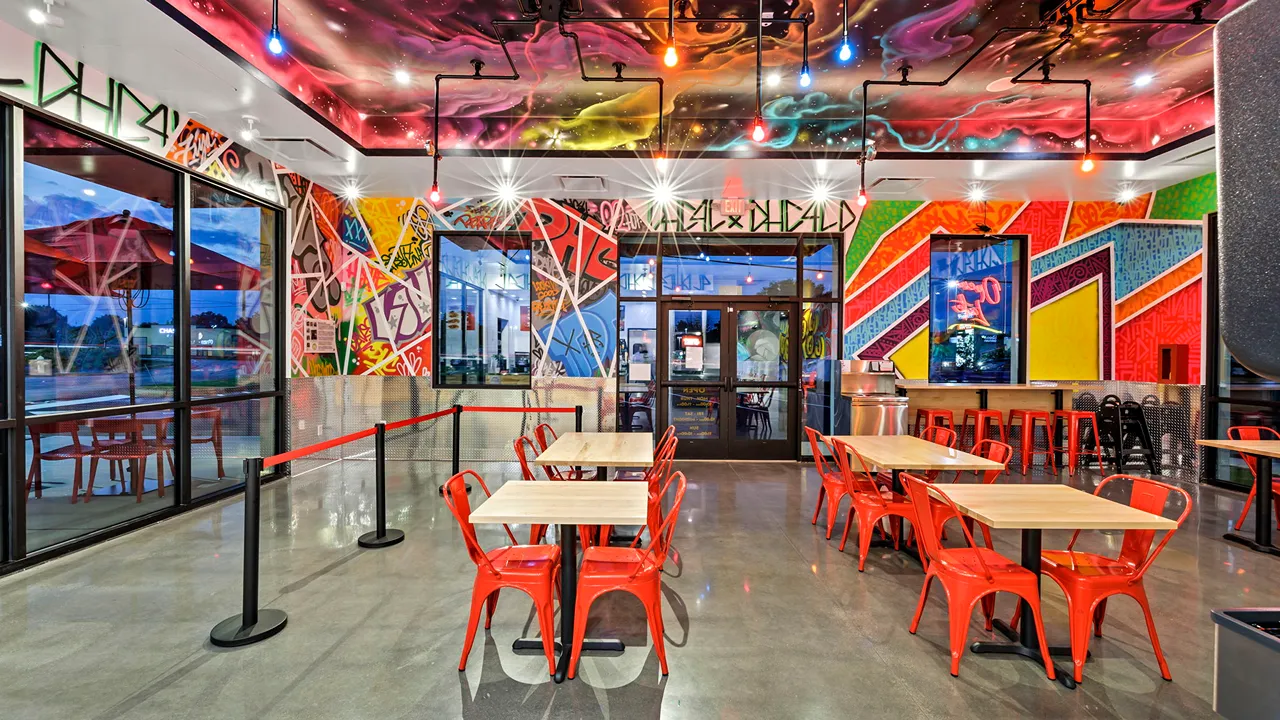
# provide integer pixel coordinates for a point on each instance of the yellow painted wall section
(1064, 337)
(912, 357)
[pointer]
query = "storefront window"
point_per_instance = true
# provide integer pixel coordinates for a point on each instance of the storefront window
(99, 281)
(719, 265)
(483, 315)
(975, 287)
(637, 366)
(638, 267)
(232, 294)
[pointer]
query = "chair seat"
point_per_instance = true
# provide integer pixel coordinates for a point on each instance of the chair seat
(965, 561)
(525, 559)
(68, 452)
(604, 561)
(1070, 565)
(130, 450)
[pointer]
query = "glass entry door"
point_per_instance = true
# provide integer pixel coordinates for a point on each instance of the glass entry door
(729, 380)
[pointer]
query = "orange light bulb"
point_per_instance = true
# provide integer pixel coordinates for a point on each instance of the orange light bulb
(435, 193)
(671, 58)
(862, 199)
(1087, 165)
(757, 130)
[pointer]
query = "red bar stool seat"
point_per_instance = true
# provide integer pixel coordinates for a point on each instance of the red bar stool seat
(1027, 419)
(932, 416)
(983, 422)
(1073, 448)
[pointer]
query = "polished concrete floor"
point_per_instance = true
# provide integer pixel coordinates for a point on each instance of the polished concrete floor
(764, 619)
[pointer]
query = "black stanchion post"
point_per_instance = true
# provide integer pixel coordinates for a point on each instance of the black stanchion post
(577, 418)
(457, 446)
(251, 625)
(382, 537)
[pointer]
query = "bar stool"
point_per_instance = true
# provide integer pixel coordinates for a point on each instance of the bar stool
(1028, 420)
(983, 421)
(931, 416)
(1074, 445)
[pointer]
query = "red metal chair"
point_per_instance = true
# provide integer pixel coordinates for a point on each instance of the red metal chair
(636, 475)
(933, 416)
(1255, 432)
(1088, 579)
(1072, 420)
(1027, 420)
(532, 569)
(984, 422)
(994, 451)
(75, 451)
(833, 487)
(968, 574)
(547, 435)
(639, 572)
(135, 448)
(524, 446)
(654, 476)
(870, 503)
(939, 435)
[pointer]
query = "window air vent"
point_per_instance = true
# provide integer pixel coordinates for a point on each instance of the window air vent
(896, 186)
(1203, 158)
(298, 149)
(581, 183)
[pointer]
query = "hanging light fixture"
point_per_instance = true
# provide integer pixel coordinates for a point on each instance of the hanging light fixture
(1087, 164)
(434, 196)
(862, 197)
(757, 125)
(274, 43)
(845, 54)
(670, 58)
(757, 129)
(805, 79)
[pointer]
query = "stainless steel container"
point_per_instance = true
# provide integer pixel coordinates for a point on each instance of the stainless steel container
(874, 405)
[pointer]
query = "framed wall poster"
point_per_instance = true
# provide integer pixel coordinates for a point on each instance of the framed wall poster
(975, 298)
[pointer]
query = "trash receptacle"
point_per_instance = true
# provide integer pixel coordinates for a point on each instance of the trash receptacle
(1246, 663)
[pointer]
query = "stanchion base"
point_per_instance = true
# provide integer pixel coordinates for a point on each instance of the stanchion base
(467, 486)
(1251, 543)
(371, 539)
(233, 633)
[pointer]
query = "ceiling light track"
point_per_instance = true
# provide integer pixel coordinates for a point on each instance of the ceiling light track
(1087, 14)
(476, 74)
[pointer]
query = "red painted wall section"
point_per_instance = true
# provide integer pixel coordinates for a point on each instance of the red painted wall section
(1176, 319)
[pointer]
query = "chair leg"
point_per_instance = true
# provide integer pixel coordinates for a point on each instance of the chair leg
(1098, 615)
(654, 611)
(833, 505)
(490, 606)
(93, 471)
(864, 540)
(1080, 619)
(822, 493)
(579, 631)
(473, 623)
(1033, 599)
(547, 627)
(1248, 502)
(1140, 594)
(959, 609)
(848, 523)
(924, 598)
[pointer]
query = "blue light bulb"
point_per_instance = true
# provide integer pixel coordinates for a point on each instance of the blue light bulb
(274, 44)
(805, 79)
(846, 51)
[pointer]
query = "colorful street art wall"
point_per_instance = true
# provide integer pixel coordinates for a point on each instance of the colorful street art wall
(1110, 281)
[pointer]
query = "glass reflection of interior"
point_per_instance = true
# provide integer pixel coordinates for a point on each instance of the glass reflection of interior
(975, 287)
(232, 318)
(761, 413)
(727, 265)
(694, 343)
(695, 412)
(637, 363)
(483, 319)
(819, 268)
(99, 279)
(818, 368)
(1253, 401)
(637, 266)
(763, 346)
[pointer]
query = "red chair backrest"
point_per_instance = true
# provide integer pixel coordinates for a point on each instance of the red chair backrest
(660, 545)
(1149, 496)
(995, 451)
(857, 480)
(455, 496)
(524, 446)
(816, 443)
(929, 534)
(68, 427)
(939, 434)
(545, 434)
(1251, 432)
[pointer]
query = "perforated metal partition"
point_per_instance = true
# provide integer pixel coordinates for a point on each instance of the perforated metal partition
(1174, 414)
(327, 407)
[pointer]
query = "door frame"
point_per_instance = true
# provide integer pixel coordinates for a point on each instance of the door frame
(727, 445)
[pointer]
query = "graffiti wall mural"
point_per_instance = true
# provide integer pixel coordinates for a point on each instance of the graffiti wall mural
(365, 69)
(1110, 281)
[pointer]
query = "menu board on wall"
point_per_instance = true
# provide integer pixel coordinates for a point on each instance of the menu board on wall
(974, 296)
(320, 336)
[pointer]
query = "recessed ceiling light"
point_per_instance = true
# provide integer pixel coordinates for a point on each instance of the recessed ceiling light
(1130, 167)
(1126, 195)
(351, 191)
(37, 16)
(402, 76)
(977, 193)
(334, 26)
(979, 168)
(774, 79)
(90, 192)
(821, 193)
(1143, 80)
(1155, 140)
(820, 167)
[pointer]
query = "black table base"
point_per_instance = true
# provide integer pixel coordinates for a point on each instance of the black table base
(1261, 540)
(568, 535)
(1027, 642)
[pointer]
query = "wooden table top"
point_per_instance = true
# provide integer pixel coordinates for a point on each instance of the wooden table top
(907, 452)
(1047, 507)
(566, 503)
(1265, 448)
(596, 449)
(921, 385)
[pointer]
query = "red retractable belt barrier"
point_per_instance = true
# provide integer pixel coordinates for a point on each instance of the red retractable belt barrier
(486, 408)
(421, 418)
(309, 449)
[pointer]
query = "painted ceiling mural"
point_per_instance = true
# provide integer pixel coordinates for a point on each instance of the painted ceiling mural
(368, 67)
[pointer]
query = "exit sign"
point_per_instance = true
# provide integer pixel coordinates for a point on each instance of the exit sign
(733, 206)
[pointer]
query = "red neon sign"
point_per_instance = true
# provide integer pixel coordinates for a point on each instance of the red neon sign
(988, 293)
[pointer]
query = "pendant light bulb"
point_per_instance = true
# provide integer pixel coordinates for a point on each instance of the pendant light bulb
(671, 58)
(274, 43)
(862, 197)
(1087, 165)
(805, 79)
(434, 197)
(757, 129)
(660, 162)
(846, 51)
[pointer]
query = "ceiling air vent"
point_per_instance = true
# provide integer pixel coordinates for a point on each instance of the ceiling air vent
(581, 184)
(298, 149)
(896, 186)
(1203, 158)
